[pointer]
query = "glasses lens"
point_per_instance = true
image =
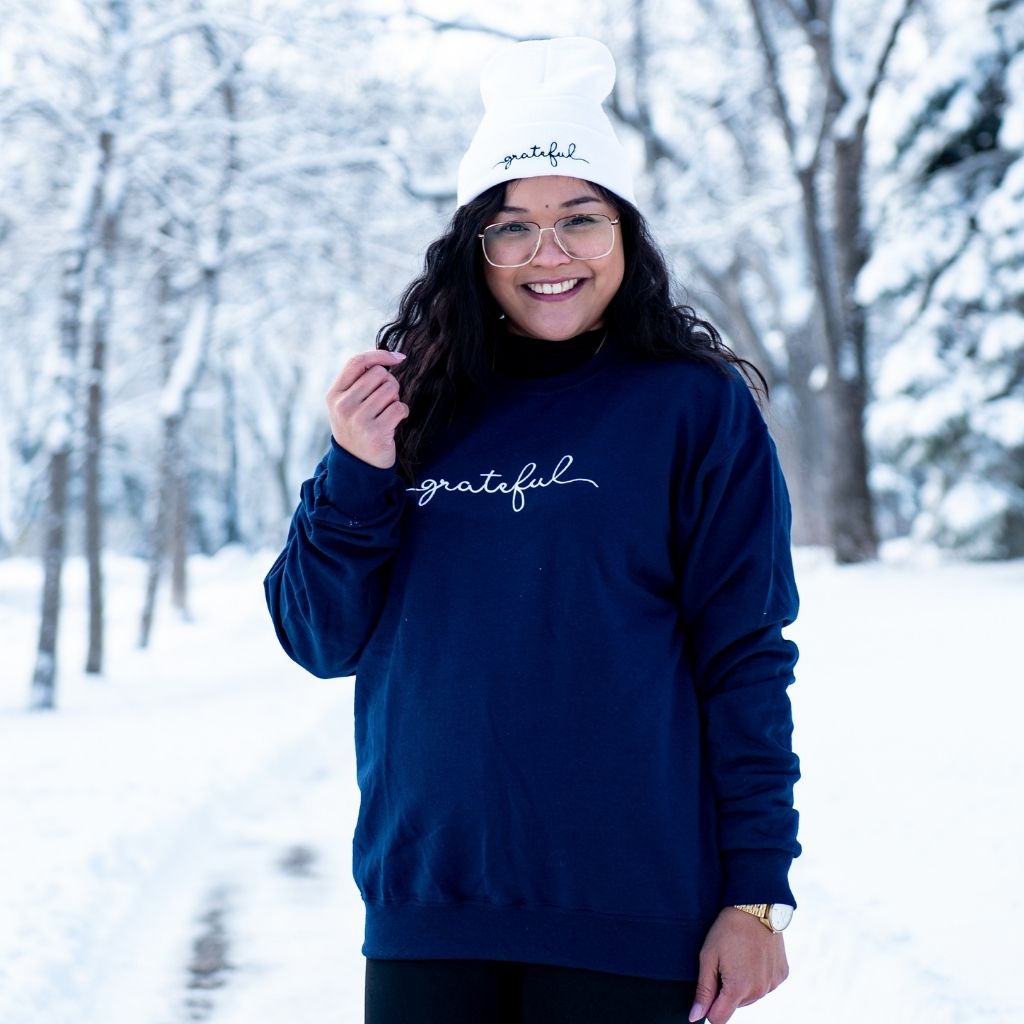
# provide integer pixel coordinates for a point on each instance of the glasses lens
(511, 244)
(586, 236)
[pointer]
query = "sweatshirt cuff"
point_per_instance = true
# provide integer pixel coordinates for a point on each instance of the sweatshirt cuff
(355, 488)
(757, 876)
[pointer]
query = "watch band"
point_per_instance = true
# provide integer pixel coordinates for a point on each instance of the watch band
(758, 910)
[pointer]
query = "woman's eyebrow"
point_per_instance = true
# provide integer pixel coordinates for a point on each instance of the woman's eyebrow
(578, 201)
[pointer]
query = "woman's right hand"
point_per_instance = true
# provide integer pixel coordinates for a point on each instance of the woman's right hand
(364, 408)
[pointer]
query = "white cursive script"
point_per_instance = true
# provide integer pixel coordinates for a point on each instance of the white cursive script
(493, 484)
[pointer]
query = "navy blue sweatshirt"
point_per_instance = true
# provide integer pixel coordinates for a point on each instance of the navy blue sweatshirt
(571, 720)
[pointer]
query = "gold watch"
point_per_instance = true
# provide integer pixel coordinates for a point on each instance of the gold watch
(774, 916)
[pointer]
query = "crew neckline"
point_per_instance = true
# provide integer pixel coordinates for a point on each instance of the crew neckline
(521, 356)
(560, 379)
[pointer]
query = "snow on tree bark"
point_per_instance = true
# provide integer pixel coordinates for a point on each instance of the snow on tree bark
(93, 503)
(90, 191)
(828, 159)
(170, 530)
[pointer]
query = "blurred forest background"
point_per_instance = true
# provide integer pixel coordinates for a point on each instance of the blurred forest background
(207, 205)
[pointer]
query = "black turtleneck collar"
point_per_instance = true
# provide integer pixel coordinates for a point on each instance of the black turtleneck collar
(518, 356)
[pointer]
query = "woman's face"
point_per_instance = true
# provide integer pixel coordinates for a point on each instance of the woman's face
(564, 314)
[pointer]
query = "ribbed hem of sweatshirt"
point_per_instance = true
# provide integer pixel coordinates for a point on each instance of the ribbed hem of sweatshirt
(757, 876)
(353, 487)
(666, 948)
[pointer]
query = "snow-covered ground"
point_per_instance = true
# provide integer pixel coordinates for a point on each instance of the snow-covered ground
(176, 838)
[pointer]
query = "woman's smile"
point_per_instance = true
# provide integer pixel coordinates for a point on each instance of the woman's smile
(565, 289)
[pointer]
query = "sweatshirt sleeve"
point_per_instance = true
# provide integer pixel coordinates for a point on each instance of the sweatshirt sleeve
(738, 592)
(326, 590)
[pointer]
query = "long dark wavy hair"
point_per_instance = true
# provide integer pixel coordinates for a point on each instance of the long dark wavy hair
(447, 321)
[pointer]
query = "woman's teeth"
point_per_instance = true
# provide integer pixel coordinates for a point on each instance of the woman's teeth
(554, 289)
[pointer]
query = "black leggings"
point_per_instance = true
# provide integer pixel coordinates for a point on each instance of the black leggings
(496, 992)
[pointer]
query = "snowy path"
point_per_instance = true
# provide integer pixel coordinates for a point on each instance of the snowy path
(206, 791)
(188, 770)
(266, 922)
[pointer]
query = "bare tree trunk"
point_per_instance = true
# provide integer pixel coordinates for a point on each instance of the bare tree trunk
(169, 458)
(43, 696)
(154, 562)
(288, 405)
(168, 340)
(232, 523)
(170, 529)
(93, 515)
(179, 506)
(158, 529)
(277, 455)
(812, 445)
(850, 505)
(44, 677)
(853, 507)
(170, 526)
(94, 441)
(109, 223)
(854, 537)
(229, 101)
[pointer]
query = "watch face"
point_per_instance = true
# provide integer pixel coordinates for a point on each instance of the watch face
(779, 914)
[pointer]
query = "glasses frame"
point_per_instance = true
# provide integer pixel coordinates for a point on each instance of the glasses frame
(540, 236)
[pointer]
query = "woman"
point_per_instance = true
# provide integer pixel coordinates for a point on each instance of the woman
(551, 541)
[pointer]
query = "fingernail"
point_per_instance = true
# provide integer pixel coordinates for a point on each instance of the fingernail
(398, 355)
(696, 1013)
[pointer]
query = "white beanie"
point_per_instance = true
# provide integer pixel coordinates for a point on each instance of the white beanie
(543, 116)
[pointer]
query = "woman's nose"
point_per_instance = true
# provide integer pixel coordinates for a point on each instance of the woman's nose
(549, 252)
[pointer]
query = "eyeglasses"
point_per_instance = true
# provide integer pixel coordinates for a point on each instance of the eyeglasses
(583, 236)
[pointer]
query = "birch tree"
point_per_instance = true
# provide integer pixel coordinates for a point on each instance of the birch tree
(105, 255)
(84, 218)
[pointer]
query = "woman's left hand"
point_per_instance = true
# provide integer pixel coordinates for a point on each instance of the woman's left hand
(740, 961)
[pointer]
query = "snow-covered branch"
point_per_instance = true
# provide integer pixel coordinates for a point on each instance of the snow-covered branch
(315, 163)
(38, 107)
(640, 120)
(200, 96)
(853, 118)
(153, 181)
(168, 29)
(463, 25)
(188, 363)
(85, 197)
(890, 43)
(809, 149)
(771, 58)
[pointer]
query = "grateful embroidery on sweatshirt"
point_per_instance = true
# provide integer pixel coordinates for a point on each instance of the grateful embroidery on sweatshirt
(492, 483)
